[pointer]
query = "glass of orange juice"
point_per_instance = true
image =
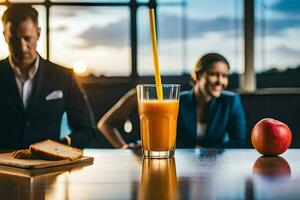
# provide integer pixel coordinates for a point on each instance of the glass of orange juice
(158, 119)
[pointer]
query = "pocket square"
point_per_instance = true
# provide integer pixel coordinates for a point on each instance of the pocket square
(56, 94)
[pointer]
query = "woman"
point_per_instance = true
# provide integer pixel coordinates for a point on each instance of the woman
(208, 115)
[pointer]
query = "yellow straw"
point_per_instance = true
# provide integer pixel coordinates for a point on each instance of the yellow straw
(159, 90)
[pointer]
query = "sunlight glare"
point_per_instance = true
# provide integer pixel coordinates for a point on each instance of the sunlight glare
(80, 66)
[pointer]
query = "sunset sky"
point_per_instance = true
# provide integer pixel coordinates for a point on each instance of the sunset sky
(99, 36)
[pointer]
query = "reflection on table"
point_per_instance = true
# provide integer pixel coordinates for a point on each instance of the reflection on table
(272, 167)
(192, 174)
(159, 180)
(17, 187)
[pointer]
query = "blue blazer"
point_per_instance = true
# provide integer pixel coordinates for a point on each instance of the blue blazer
(225, 121)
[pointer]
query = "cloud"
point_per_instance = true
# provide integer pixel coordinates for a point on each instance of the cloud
(287, 51)
(112, 35)
(73, 11)
(290, 7)
(276, 26)
(195, 27)
(60, 28)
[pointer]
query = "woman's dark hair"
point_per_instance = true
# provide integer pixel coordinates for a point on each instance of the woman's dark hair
(206, 61)
(18, 13)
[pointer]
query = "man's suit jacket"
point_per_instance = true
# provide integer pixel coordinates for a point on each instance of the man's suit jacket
(225, 117)
(42, 119)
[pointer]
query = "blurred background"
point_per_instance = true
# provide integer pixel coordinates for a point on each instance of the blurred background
(107, 43)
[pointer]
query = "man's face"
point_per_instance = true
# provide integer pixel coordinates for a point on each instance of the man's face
(22, 41)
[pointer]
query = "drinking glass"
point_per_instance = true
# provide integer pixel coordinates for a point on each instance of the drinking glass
(158, 119)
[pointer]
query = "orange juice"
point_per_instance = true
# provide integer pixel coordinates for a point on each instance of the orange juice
(158, 122)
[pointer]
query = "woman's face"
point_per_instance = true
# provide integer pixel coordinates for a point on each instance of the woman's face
(213, 81)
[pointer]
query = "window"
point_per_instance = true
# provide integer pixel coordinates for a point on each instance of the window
(100, 35)
(277, 35)
(212, 28)
(170, 41)
(93, 37)
(277, 44)
(185, 32)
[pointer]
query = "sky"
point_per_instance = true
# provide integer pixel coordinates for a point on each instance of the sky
(99, 36)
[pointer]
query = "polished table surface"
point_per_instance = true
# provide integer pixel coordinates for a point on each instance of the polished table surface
(192, 174)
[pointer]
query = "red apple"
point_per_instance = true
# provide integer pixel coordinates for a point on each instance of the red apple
(271, 137)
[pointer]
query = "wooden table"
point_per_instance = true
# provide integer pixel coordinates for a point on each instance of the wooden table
(192, 174)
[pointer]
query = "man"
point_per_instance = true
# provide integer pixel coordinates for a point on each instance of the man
(34, 93)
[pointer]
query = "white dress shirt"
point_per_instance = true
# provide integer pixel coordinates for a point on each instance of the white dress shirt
(201, 129)
(24, 85)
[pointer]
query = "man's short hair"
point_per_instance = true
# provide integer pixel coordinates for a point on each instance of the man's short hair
(18, 13)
